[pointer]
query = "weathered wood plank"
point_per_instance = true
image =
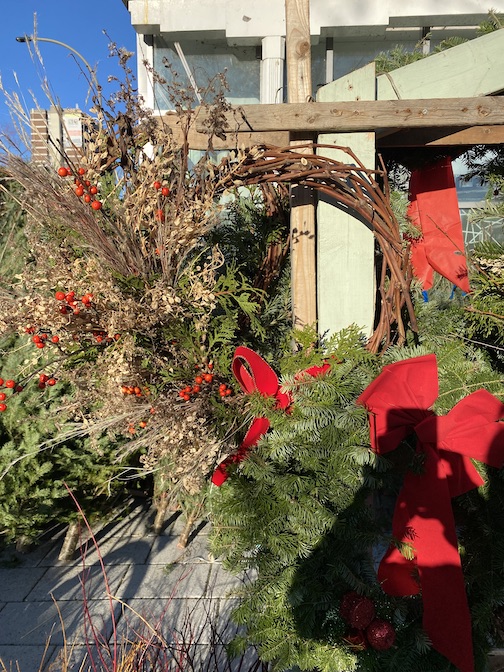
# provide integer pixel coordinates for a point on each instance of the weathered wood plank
(198, 140)
(345, 247)
(469, 69)
(365, 115)
(302, 217)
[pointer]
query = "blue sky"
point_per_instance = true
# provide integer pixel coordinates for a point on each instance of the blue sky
(78, 24)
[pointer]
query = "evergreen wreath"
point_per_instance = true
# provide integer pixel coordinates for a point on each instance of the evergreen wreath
(309, 515)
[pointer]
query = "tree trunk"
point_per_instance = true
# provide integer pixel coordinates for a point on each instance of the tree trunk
(70, 542)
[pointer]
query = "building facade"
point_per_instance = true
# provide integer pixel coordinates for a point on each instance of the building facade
(246, 38)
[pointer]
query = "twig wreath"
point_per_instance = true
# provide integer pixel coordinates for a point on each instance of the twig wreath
(355, 189)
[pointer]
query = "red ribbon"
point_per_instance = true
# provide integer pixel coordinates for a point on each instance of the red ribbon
(399, 401)
(254, 374)
(434, 209)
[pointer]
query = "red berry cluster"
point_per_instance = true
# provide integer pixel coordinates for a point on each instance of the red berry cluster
(135, 390)
(9, 385)
(360, 614)
(42, 337)
(141, 425)
(45, 380)
(164, 191)
(201, 379)
(70, 303)
(83, 188)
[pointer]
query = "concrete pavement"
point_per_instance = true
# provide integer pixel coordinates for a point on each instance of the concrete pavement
(178, 597)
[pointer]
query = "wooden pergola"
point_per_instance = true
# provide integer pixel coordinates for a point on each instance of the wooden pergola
(438, 120)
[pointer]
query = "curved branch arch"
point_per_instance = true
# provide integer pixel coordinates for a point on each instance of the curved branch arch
(354, 188)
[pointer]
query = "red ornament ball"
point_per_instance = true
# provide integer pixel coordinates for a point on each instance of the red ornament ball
(348, 601)
(380, 634)
(357, 610)
(362, 613)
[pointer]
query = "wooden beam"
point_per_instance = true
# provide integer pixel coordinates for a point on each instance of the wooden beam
(365, 115)
(443, 137)
(199, 140)
(302, 217)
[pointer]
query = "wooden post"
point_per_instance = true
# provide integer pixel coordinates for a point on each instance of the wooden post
(299, 90)
(345, 247)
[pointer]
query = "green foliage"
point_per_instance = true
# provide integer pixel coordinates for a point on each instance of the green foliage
(33, 466)
(309, 511)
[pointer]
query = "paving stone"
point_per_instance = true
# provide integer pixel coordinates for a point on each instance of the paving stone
(155, 581)
(28, 658)
(117, 550)
(165, 550)
(34, 623)
(16, 583)
(222, 583)
(67, 583)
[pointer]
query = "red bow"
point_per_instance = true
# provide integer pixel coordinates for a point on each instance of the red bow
(399, 402)
(259, 376)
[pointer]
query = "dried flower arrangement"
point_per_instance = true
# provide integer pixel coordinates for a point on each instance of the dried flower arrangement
(129, 298)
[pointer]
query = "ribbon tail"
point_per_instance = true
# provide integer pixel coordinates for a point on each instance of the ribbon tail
(446, 619)
(258, 428)
(424, 518)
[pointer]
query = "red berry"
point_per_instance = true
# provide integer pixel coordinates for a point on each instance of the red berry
(99, 338)
(93, 190)
(62, 172)
(40, 345)
(81, 171)
(43, 336)
(60, 296)
(18, 388)
(181, 393)
(196, 389)
(210, 365)
(3, 396)
(117, 337)
(64, 310)
(41, 385)
(79, 191)
(207, 377)
(160, 215)
(186, 397)
(70, 296)
(228, 392)
(142, 424)
(165, 191)
(87, 198)
(3, 407)
(222, 386)
(157, 185)
(43, 378)
(96, 205)
(55, 339)
(1, 381)
(36, 338)
(51, 381)
(198, 380)
(10, 383)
